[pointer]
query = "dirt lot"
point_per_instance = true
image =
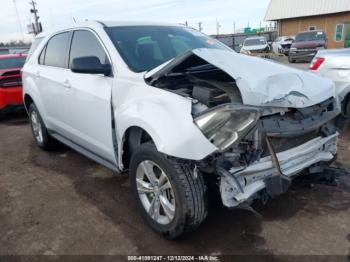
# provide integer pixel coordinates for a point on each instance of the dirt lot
(63, 203)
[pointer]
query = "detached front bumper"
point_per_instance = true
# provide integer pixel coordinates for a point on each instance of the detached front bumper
(241, 185)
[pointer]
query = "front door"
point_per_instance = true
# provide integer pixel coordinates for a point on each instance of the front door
(89, 99)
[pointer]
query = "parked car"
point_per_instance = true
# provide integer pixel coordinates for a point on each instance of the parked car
(282, 44)
(306, 45)
(335, 64)
(179, 111)
(257, 44)
(11, 82)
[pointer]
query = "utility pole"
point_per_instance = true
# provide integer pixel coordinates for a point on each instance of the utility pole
(37, 25)
(200, 28)
(217, 27)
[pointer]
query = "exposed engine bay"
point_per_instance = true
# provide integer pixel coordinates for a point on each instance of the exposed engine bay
(205, 83)
(267, 144)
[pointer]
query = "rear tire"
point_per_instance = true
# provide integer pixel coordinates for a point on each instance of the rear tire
(39, 130)
(187, 194)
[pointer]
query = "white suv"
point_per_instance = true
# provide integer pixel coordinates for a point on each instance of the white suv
(179, 111)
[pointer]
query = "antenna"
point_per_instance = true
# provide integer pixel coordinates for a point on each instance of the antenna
(75, 21)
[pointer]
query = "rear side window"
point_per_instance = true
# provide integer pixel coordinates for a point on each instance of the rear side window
(56, 51)
(85, 44)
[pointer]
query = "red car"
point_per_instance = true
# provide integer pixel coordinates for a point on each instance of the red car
(11, 82)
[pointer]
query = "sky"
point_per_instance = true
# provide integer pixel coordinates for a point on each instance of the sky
(54, 14)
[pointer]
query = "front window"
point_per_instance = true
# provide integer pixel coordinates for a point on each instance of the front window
(310, 36)
(257, 41)
(146, 47)
(13, 62)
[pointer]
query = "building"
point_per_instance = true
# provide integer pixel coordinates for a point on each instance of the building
(331, 16)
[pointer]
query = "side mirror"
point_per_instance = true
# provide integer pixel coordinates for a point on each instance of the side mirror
(90, 65)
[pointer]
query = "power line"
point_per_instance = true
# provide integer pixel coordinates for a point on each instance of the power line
(18, 19)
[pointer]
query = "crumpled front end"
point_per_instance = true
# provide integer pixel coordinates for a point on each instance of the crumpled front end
(280, 147)
(267, 122)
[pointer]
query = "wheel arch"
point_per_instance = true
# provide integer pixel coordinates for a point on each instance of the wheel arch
(28, 100)
(133, 137)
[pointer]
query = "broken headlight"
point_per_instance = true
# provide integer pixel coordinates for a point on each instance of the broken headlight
(226, 125)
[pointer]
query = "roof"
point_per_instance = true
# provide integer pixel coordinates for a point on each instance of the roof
(100, 24)
(135, 23)
(283, 9)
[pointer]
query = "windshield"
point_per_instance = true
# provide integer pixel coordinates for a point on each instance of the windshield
(13, 62)
(256, 41)
(310, 36)
(146, 47)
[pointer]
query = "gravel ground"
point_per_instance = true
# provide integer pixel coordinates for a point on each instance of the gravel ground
(63, 203)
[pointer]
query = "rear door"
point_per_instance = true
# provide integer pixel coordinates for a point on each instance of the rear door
(52, 70)
(88, 99)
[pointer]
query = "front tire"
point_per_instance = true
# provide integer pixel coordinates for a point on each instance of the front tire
(171, 199)
(39, 130)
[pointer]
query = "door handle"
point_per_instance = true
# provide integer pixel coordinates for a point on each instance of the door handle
(37, 74)
(66, 84)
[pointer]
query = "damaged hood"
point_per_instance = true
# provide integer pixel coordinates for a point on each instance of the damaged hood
(260, 81)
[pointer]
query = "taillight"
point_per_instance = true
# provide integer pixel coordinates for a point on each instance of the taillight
(316, 63)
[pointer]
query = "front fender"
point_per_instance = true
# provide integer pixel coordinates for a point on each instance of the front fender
(167, 118)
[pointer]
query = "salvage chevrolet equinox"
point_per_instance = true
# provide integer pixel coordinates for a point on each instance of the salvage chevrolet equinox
(179, 112)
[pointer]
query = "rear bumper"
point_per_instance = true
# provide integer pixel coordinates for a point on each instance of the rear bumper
(252, 179)
(10, 97)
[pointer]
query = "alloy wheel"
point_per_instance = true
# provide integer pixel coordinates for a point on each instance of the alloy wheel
(37, 127)
(155, 192)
